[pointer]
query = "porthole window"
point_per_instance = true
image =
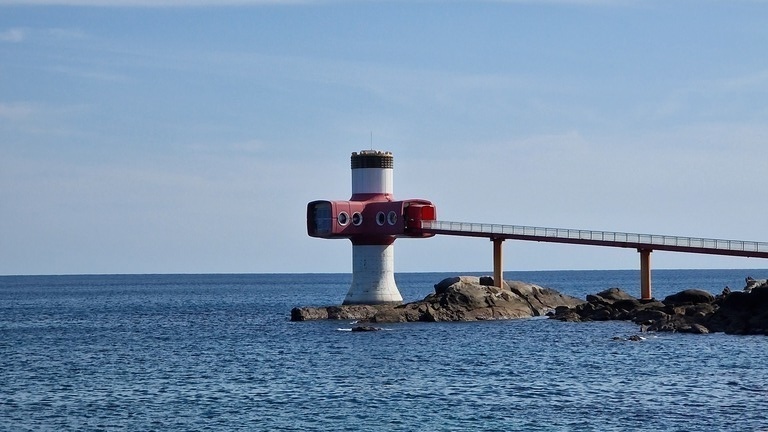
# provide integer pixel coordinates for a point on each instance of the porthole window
(392, 218)
(357, 218)
(343, 218)
(381, 219)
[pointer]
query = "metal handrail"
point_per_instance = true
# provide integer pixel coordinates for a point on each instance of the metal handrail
(597, 236)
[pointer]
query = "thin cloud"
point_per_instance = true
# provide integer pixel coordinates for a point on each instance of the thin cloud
(23, 34)
(13, 35)
(15, 111)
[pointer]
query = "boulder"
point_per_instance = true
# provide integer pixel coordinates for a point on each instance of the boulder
(365, 329)
(743, 312)
(689, 297)
(751, 283)
(540, 299)
(443, 285)
(609, 296)
(688, 311)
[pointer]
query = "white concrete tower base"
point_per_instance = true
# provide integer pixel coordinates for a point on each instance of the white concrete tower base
(373, 275)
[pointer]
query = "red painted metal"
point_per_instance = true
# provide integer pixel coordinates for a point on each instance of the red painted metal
(368, 222)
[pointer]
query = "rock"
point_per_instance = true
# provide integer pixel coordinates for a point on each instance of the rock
(455, 299)
(744, 312)
(751, 283)
(443, 285)
(344, 312)
(365, 329)
(308, 314)
(487, 281)
(465, 298)
(699, 329)
(689, 296)
(686, 311)
(648, 316)
(541, 299)
(609, 296)
(699, 310)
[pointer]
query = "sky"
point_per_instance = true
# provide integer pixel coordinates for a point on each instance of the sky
(187, 136)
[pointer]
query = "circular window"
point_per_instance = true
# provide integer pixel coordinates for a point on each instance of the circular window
(392, 218)
(357, 218)
(343, 218)
(380, 218)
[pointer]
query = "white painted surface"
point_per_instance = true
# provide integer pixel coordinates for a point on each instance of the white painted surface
(372, 181)
(373, 275)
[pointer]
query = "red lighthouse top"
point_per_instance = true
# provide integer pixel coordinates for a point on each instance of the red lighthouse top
(371, 215)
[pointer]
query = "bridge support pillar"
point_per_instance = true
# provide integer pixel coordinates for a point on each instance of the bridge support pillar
(498, 266)
(645, 274)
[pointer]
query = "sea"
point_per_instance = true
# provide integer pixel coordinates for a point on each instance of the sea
(217, 352)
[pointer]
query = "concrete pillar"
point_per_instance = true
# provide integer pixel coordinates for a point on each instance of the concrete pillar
(645, 274)
(498, 265)
(373, 276)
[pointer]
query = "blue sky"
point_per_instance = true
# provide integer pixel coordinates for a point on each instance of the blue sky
(188, 135)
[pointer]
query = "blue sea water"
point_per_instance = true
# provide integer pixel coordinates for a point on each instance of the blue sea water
(218, 353)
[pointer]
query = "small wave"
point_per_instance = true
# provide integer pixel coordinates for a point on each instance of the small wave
(344, 330)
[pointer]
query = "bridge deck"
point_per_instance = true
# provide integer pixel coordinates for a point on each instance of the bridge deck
(600, 238)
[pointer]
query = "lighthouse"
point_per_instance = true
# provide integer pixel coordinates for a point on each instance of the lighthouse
(371, 219)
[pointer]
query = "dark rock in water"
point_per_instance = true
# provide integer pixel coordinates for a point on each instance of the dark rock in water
(455, 299)
(465, 298)
(346, 312)
(365, 329)
(741, 313)
(689, 296)
(689, 311)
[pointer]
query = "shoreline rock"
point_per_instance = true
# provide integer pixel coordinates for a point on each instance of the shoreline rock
(689, 311)
(461, 298)
(470, 298)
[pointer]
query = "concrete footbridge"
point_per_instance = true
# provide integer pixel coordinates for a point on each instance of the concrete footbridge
(644, 243)
(372, 220)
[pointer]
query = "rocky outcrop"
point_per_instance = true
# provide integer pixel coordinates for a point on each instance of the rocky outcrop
(689, 311)
(754, 283)
(462, 298)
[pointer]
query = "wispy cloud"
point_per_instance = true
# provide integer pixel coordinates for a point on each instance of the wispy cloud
(91, 74)
(721, 95)
(23, 34)
(15, 111)
(13, 35)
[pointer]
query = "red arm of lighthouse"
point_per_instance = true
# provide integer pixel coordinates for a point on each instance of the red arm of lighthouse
(372, 220)
(352, 219)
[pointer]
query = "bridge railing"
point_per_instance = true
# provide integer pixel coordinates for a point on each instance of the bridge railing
(597, 236)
